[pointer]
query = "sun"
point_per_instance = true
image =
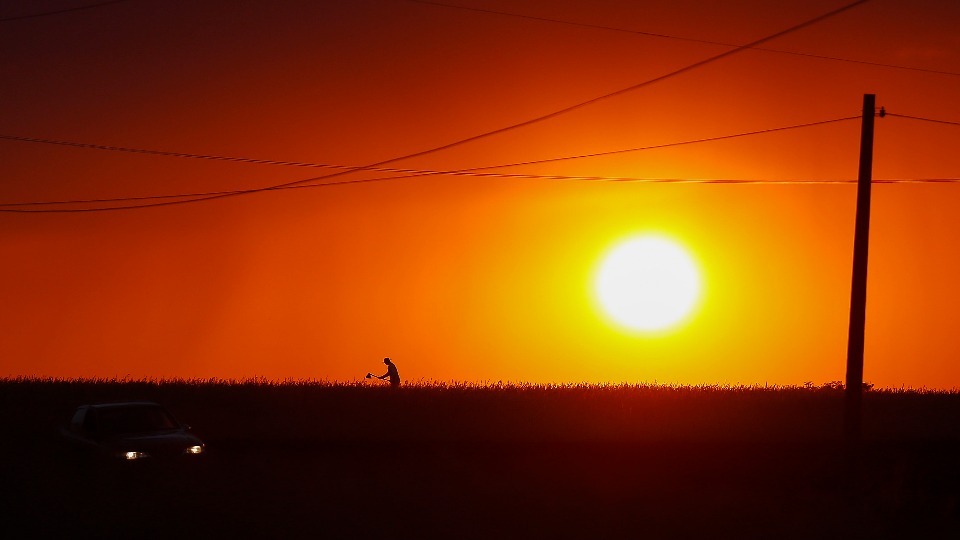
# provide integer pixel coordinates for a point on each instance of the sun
(648, 283)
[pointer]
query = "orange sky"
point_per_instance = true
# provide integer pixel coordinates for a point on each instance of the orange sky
(469, 278)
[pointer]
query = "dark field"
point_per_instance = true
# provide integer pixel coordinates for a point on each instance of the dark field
(342, 461)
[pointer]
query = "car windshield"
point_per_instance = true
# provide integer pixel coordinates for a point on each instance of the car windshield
(136, 419)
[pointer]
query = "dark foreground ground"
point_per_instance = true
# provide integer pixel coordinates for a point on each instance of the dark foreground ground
(317, 461)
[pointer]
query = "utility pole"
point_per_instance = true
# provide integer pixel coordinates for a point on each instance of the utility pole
(858, 292)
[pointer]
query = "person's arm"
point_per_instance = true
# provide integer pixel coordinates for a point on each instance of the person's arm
(384, 376)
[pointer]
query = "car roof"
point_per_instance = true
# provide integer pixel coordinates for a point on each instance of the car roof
(123, 404)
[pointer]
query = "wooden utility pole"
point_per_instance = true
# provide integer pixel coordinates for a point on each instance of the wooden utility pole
(858, 292)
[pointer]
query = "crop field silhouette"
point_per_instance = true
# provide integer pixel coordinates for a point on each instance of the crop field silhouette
(307, 459)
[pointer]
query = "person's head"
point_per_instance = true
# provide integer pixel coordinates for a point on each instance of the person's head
(387, 361)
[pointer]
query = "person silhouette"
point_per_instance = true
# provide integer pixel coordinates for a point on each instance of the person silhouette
(391, 373)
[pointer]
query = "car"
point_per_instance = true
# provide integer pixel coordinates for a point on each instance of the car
(134, 431)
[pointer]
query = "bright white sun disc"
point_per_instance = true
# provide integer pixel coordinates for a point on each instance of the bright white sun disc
(648, 283)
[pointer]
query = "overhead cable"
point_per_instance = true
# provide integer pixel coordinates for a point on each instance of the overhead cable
(235, 159)
(933, 120)
(648, 82)
(407, 173)
(19, 207)
(59, 11)
(666, 145)
(537, 119)
(679, 38)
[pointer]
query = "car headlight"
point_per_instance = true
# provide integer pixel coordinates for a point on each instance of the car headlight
(196, 449)
(135, 455)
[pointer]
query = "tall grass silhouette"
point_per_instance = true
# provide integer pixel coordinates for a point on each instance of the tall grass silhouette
(308, 459)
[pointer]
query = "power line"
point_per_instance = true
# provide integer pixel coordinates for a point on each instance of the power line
(570, 23)
(94, 146)
(411, 173)
(234, 159)
(640, 148)
(408, 173)
(184, 195)
(720, 181)
(471, 172)
(667, 145)
(933, 120)
(637, 180)
(388, 178)
(679, 38)
(917, 181)
(58, 12)
(648, 82)
(643, 84)
(534, 120)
